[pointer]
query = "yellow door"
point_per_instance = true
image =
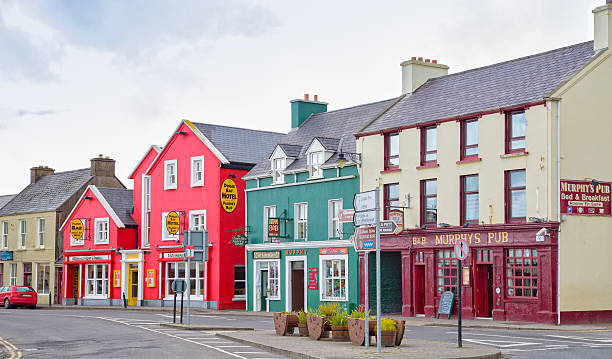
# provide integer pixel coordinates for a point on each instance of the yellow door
(132, 284)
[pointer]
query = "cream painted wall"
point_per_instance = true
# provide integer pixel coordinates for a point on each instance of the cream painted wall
(586, 148)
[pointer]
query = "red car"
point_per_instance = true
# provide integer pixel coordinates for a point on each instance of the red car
(14, 295)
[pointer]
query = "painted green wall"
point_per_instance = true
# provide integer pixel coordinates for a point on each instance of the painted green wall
(300, 110)
(391, 282)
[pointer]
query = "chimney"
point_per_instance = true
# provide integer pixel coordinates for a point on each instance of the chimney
(416, 72)
(301, 109)
(36, 173)
(603, 26)
(102, 166)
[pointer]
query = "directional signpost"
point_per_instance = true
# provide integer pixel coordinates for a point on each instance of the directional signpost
(461, 252)
(389, 227)
(365, 218)
(346, 215)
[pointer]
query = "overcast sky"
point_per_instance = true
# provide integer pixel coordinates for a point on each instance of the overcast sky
(82, 78)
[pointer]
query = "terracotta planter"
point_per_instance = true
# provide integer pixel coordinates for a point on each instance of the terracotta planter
(356, 329)
(303, 329)
(401, 326)
(285, 323)
(340, 333)
(387, 338)
(318, 327)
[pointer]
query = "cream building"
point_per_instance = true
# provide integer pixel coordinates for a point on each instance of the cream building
(480, 156)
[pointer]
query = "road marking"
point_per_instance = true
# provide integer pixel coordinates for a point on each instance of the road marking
(603, 340)
(494, 343)
(249, 353)
(233, 346)
(12, 350)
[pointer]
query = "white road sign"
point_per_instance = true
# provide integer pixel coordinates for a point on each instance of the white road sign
(461, 249)
(364, 201)
(364, 218)
(389, 227)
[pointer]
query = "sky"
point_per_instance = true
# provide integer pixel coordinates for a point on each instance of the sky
(82, 78)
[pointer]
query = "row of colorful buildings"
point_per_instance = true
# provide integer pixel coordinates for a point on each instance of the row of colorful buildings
(509, 157)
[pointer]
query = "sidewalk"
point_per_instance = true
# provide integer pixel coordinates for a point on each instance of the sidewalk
(298, 347)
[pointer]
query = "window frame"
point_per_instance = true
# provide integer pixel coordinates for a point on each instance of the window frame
(314, 169)
(522, 277)
(323, 276)
(464, 136)
(424, 151)
(23, 228)
(192, 216)
(298, 221)
(167, 183)
(240, 296)
(146, 211)
(508, 197)
(5, 228)
(463, 199)
(41, 233)
(47, 274)
(194, 181)
(508, 135)
(200, 278)
(388, 155)
(334, 219)
(388, 200)
(13, 273)
(95, 280)
(97, 233)
(423, 202)
(452, 287)
(27, 268)
(166, 236)
(278, 177)
(266, 210)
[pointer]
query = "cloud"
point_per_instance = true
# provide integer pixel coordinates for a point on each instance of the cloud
(21, 113)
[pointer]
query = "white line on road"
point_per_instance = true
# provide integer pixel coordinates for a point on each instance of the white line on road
(233, 346)
(603, 340)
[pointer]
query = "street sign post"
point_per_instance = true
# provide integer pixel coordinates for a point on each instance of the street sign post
(365, 218)
(178, 286)
(365, 201)
(462, 250)
(346, 215)
(389, 227)
(364, 239)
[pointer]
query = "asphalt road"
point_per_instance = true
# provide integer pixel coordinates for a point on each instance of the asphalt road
(72, 333)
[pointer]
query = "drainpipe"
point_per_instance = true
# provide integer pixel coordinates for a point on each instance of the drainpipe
(559, 211)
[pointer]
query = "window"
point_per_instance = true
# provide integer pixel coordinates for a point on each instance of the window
(13, 273)
(27, 274)
(41, 233)
(22, 233)
(469, 199)
(278, 165)
(239, 282)
(391, 150)
(301, 220)
(391, 196)
(333, 223)
(42, 278)
(446, 271)
(166, 236)
(273, 284)
(95, 280)
(315, 160)
(522, 272)
(515, 131)
(101, 234)
(176, 270)
(429, 202)
(146, 190)
(197, 220)
(5, 235)
(516, 196)
(334, 286)
(469, 138)
(197, 171)
(170, 174)
(269, 211)
(429, 145)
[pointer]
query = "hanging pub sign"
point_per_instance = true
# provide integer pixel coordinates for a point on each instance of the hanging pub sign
(229, 195)
(266, 255)
(273, 227)
(397, 216)
(173, 222)
(239, 240)
(587, 198)
(76, 228)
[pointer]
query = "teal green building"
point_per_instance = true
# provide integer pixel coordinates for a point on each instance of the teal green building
(299, 252)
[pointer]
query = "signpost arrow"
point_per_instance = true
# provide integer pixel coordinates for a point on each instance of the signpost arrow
(389, 227)
(365, 218)
(364, 201)
(346, 215)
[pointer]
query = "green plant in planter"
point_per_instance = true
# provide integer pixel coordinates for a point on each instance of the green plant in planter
(329, 309)
(302, 316)
(360, 313)
(339, 319)
(387, 324)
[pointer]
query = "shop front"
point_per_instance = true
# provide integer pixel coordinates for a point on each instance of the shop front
(172, 266)
(510, 273)
(86, 278)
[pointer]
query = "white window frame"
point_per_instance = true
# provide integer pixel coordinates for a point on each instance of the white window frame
(192, 217)
(12, 273)
(47, 267)
(334, 219)
(200, 281)
(260, 265)
(5, 228)
(95, 279)
(194, 181)
(146, 211)
(168, 184)
(41, 233)
(267, 214)
(277, 172)
(23, 228)
(297, 220)
(323, 276)
(98, 235)
(314, 168)
(166, 236)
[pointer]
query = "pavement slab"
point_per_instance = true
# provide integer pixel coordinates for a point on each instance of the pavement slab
(298, 347)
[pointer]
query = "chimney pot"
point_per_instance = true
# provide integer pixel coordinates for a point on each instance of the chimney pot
(427, 60)
(103, 167)
(413, 58)
(316, 98)
(434, 61)
(306, 96)
(420, 59)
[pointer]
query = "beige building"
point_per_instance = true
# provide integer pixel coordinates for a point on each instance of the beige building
(30, 245)
(513, 158)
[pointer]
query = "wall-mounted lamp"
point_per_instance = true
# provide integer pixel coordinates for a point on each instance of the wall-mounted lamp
(345, 157)
(466, 224)
(444, 225)
(232, 176)
(424, 226)
(86, 197)
(594, 182)
(181, 133)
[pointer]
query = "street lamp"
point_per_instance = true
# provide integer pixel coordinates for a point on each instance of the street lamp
(345, 157)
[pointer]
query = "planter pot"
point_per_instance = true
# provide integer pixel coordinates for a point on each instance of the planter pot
(303, 329)
(387, 338)
(401, 326)
(317, 327)
(285, 323)
(340, 333)
(356, 329)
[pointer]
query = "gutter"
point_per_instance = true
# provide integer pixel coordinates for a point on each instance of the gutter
(559, 211)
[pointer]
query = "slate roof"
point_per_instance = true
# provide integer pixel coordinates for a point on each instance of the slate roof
(5, 199)
(291, 150)
(121, 201)
(332, 126)
(48, 194)
(330, 144)
(240, 145)
(516, 82)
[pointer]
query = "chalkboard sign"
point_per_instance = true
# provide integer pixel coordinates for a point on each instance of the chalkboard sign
(446, 304)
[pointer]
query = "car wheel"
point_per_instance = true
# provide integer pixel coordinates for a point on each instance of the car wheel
(7, 304)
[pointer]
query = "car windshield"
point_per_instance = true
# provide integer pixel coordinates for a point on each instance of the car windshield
(24, 289)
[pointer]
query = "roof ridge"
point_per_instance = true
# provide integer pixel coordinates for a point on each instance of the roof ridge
(510, 61)
(237, 128)
(352, 107)
(64, 172)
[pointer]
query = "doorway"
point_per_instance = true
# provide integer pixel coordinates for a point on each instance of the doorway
(263, 300)
(483, 283)
(75, 284)
(132, 283)
(296, 301)
(419, 289)
(59, 277)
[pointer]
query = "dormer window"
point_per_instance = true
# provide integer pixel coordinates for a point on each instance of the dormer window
(315, 160)
(278, 165)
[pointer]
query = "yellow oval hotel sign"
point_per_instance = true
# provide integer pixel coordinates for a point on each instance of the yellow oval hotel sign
(76, 228)
(229, 195)
(173, 222)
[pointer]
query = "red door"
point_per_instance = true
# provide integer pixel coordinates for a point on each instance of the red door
(483, 282)
(419, 289)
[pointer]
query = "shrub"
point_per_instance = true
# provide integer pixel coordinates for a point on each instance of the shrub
(387, 324)
(302, 316)
(360, 313)
(339, 319)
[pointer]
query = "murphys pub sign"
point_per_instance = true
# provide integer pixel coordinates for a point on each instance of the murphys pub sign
(589, 198)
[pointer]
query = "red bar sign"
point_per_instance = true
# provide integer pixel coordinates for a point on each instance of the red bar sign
(587, 198)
